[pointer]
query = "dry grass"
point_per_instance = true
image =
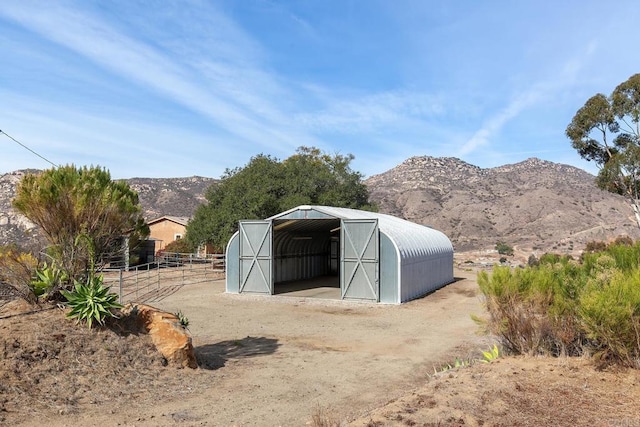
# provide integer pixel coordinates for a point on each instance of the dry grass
(322, 417)
(48, 364)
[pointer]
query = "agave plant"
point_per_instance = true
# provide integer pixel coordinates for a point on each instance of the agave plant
(91, 302)
(46, 279)
(491, 355)
(184, 320)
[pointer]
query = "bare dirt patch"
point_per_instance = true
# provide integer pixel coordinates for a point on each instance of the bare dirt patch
(268, 361)
(518, 391)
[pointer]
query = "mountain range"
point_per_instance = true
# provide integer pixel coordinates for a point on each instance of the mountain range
(535, 205)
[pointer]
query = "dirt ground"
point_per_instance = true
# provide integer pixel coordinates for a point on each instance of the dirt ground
(291, 361)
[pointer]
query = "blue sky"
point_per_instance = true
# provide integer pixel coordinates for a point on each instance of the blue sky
(179, 88)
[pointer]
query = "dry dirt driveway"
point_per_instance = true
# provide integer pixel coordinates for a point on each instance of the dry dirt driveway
(274, 361)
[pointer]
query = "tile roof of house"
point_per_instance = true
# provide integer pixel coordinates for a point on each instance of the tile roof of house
(177, 219)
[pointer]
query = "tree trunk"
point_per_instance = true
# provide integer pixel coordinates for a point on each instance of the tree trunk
(636, 210)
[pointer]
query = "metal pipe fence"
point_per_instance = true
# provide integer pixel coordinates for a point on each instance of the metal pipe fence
(153, 281)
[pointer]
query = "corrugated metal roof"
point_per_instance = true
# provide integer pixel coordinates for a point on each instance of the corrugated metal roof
(414, 241)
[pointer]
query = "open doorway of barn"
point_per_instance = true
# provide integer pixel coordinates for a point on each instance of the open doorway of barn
(306, 258)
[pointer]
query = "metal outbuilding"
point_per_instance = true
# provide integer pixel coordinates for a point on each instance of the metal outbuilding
(377, 257)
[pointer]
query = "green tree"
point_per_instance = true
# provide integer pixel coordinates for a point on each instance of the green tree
(267, 186)
(68, 202)
(606, 130)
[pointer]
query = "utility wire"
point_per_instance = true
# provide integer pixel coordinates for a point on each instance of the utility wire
(24, 146)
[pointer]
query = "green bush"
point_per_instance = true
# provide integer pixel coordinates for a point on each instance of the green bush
(530, 310)
(571, 308)
(180, 246)
(504, 249)
(610, 314)
(551, 258)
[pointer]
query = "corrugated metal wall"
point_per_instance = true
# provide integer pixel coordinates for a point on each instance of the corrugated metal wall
(299, 257)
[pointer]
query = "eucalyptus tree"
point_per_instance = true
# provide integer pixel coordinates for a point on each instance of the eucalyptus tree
(606, 130)
(74, 206)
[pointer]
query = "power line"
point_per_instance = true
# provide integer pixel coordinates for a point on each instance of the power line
(24, 146)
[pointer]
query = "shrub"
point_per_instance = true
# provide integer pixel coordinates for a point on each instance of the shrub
(551, 258)
(180, 246)
(626, 256)
(623, 241)
(17, 269)
(531, 311)
(504, 249)
(595, 246)
(610, 314)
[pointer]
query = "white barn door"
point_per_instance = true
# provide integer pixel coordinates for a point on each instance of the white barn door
(256, 257)
(360, 259)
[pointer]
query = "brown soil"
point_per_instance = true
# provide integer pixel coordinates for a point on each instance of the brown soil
(268, 361)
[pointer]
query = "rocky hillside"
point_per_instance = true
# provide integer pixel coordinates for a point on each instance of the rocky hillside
(536, 205)
(13, 226)
(170, 196)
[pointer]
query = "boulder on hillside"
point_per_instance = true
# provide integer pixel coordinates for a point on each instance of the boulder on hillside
(171, 339)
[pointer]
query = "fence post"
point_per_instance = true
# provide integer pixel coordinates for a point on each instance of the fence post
(121, 285)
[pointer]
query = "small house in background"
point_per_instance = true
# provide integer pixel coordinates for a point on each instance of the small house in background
(167, 229)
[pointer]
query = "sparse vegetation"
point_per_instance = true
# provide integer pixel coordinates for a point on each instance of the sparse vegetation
(462, 362)
(322, 417)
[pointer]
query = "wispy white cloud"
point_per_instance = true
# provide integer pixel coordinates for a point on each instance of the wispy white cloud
(495, 123)
(390, 110)
(69, 135)
(562, 80)
(220, 91)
